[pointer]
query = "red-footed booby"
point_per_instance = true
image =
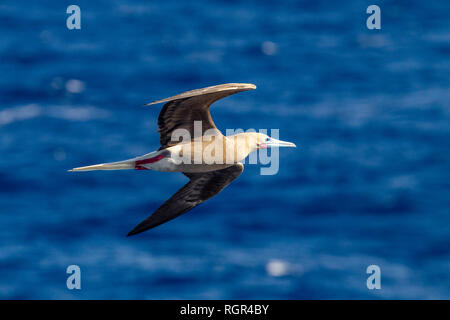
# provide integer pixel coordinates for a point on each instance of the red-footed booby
(209, 159)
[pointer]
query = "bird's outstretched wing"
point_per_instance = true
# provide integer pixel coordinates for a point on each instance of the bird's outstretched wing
(182, 110)
(200, 188)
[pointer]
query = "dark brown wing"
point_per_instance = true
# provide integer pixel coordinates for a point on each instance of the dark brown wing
(182, 110)
(200, 188)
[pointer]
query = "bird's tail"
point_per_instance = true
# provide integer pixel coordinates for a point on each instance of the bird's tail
(135, 163)
(121, 165)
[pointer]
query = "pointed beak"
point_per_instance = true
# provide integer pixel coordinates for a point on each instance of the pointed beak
(278, 143)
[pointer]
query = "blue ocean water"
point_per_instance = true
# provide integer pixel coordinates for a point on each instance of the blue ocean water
(367, 185)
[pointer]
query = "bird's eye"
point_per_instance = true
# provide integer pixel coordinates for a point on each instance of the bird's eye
(267, 139)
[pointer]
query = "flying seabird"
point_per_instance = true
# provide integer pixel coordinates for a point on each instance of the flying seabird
(209, 159)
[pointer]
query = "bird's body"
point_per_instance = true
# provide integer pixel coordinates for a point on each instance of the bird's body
(191, 144)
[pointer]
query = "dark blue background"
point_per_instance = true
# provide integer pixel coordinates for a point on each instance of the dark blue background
(369, 183)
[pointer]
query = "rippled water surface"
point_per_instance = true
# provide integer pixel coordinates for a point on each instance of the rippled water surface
(368, 184)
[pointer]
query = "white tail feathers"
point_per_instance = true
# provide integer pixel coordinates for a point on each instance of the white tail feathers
(120, 165)
(107, 166)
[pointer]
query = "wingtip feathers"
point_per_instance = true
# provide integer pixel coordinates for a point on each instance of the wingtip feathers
(220, 87)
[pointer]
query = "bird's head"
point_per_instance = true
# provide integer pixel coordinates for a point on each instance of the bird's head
(263, 141)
